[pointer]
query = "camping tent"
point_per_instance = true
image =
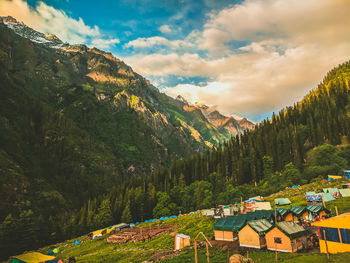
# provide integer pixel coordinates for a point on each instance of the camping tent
(282, 201)
(332, 191)
(327, 197)
(337, 230)
(263, 206)
(345, 192)
(33, 257)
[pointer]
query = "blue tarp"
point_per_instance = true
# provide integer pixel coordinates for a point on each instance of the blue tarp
(51, 253)
(294, 186)
(76, 242)
(131, 225)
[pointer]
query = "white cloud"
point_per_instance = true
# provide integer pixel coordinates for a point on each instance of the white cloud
(165, 29)
(150, 42)
(290, 47)
(104, 43)
(46, 19)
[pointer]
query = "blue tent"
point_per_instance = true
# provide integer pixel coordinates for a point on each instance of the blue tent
(76, 242)
(132, 225)
(294, 186)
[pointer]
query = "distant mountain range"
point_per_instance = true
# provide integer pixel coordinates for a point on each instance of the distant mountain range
(76, 115)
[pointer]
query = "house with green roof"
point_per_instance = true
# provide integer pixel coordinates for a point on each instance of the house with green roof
(253, 233)
(226, 229)
(317, 210)
(285, 237)
(282, 201)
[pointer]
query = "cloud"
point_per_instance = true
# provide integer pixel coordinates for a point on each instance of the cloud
(165, 29)
(150, 42)
(260, 55)
(46, 19)
(104, 43)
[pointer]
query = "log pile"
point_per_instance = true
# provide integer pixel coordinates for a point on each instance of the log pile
(138, 234)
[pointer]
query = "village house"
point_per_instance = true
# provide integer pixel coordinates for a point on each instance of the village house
(285, 237)
(253, 233)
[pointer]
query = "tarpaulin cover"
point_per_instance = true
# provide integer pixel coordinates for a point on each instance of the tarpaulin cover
(34, 257)
(235, 223)
(327, 197)
(297, 210)
(282, 201)
(345, 192)
(314, 208)
(76, 242)
(331, 190)
(281, 211)
(260, 226)
(291, 229)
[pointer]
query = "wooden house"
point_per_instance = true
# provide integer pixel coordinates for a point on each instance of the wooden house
(334, 234)
(253, 233)
(281, 213)
(317, 210)
(181, 241)
(299, 212)
(285, 237)
(225, 229)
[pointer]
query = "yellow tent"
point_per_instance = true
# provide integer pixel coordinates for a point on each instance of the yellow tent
(336, 232)
(335, 176)
(34, 257)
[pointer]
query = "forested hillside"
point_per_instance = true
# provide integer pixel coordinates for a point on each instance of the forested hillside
(302, 142)
(81, 133)
(74, 122)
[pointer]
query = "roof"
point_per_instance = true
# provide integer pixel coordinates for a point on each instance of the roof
(341, 221)
(310, 193)
(335, 176)
(235, 223)
(263, 206)
(330, 190)
(291, 229)
(297, 210)
(183, 236)
(260, 226)
(345, 192)
(327, 197)
(34, 257)
(230, 223)
(282, 211)
(315, 208)
(282, 201)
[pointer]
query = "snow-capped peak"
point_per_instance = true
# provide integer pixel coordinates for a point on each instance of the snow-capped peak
(21, 29)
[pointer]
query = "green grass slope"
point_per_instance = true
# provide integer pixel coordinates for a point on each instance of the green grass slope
(161, 247)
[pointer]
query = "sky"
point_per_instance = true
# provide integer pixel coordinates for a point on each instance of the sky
(248, 57)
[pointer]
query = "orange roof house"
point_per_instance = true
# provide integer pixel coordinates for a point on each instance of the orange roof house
(253, 233)
(285, 237)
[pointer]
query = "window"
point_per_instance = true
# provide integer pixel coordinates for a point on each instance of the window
(278, 240)
(345, 235)
(331, 234)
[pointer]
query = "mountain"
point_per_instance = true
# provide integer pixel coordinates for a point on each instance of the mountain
(74, 123)
(223, 123)
(106, 98)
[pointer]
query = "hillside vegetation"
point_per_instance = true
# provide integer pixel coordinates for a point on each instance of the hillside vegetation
(162, 247)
